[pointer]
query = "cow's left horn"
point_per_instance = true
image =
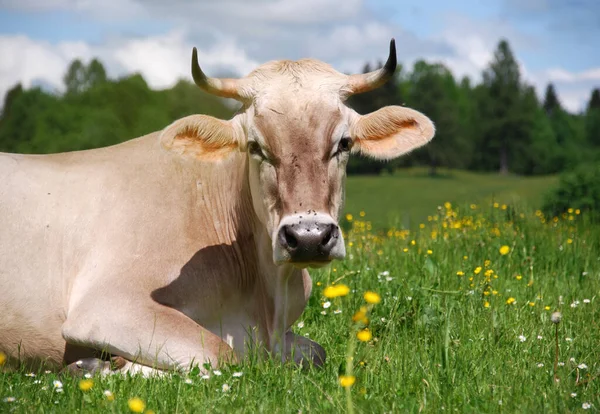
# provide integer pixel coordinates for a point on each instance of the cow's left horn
(369, 81)
(226, 88)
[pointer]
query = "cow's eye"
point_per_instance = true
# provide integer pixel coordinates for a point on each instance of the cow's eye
(254, 149)
(345, 144)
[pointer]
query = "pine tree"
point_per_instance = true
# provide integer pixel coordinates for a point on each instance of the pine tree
(551, 102)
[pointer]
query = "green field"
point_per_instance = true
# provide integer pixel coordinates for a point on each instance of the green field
(464, 322)
(410, 195)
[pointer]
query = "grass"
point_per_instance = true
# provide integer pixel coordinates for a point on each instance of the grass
(436, 346)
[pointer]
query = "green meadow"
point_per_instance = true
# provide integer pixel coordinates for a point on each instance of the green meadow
(463, 295)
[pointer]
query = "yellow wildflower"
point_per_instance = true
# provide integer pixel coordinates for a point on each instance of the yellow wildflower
(405, 250)
(86, 384)
(2, 358)
(412, 242)
(510, 301)
(349, 217)
(372, 297)
(473, 206)
(547, 307)
(364, 335)
(460, 273)
(504, 250)
(486, 263)
(421, 226)
(494, 292)
(447, 205)
(429, 251)
(477, 270)
(503, 207)
(569, 241)
(347, 380)
(136, 405)
(496, 205)
(335, 291)
(465, 257)
(350, 244)
(362, 214)
(489, 273)
(532, 304)
(486, 293)
(518, 277)
(486, 304)
(570, 211)
(577, 211)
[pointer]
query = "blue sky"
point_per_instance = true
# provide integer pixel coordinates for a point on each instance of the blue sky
(554, 40)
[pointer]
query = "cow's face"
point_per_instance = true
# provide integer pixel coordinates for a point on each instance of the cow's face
(298, 135)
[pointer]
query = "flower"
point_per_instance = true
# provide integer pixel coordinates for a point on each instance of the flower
(237, 374)
(582, 366)
(486, 304)
(460, 273)
(217, 372)
(347, 380)
(540, 365)
(522, 338)
(109, 395)
(349, 217)
(225, 387)
(477, 270)
(546, 307)
(573, 394)
(10, 399)
(372, 297)
(188, 381)
(586, 406)
(518, 277)
(361, 316)
(2, 358)
(326, 305)
(556, 317)
(86, 384)
(136, 405)
(504, 250)
(334, 291)
(511, 301)
(364, 335)
(57, 384)
(586, 301)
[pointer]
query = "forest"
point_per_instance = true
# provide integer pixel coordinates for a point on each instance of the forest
(498, 125)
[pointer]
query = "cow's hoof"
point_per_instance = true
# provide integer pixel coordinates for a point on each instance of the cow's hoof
(94, 366)
(309, 353)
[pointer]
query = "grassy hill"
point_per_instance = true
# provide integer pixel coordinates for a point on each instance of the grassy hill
(409, 196)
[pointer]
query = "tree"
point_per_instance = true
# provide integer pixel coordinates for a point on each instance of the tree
(502, 85)
(95, 73)
(551, 102)
(75, 78)
(592, 120)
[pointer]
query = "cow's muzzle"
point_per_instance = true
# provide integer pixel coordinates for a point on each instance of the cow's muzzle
(308, 240)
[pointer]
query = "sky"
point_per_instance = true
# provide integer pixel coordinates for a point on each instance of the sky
(554, 40)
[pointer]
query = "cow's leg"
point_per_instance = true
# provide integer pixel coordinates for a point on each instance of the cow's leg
(148, 335)
(304, 351)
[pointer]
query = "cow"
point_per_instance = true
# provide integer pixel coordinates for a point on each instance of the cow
(190, 246)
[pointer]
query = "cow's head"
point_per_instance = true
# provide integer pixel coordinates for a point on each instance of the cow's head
(298, 135)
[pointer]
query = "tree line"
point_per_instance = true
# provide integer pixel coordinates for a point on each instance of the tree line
(497, 125)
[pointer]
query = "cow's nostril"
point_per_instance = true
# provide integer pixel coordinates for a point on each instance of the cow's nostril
(290, 238)
(328, 233)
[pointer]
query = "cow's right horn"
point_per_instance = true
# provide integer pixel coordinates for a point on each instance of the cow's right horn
(226, 88)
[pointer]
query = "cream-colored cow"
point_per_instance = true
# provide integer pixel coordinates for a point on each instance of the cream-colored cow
(190, 245)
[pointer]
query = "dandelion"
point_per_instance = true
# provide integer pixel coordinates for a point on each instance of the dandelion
(109, 395)
(349, 217)
(532, 304)
(460, 273)
(136, 405)
(477, 270)
(326, 305)
(364, 335)
(2, 358)
(586, 405)
(486, 304)
(511, 301)
(504, 250)
(361, 316)
(556, 317)
(522, 338)
(347, 381)
(335, 291)
(372, 297)
(225, 387)
(518, 277)
(430, 251)
(86, 384)
(547, 308)
(237, 374)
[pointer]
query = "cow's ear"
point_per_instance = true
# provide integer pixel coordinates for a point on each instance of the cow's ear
(391, 132)
(203, 137)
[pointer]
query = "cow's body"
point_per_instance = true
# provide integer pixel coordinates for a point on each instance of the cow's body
(190, 245)
(87, 230)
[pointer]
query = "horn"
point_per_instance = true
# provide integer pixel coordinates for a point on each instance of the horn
(368, 81)
(226, 88)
